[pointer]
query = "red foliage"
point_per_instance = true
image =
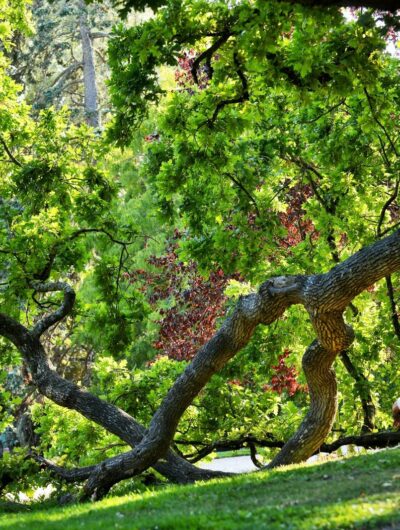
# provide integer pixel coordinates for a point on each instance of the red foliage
(197, 302)
(153, 137)
(285, 377)
(183, 74)
(293, 219)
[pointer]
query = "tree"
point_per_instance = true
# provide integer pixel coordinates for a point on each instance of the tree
(63, 62)
(325, 297)
(286, 137)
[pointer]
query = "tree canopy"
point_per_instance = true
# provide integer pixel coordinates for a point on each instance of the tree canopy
(248, 169)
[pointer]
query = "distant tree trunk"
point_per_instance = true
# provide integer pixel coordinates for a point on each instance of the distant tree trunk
(89, 70)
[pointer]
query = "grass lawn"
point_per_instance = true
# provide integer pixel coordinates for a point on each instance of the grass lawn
(358, 492)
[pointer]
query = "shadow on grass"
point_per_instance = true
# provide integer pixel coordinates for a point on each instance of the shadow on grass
(362, 492)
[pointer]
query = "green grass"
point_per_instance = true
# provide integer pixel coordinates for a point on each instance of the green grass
(360, 492)
(233, 452)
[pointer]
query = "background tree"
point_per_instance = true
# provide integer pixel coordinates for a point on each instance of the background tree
(64, 62)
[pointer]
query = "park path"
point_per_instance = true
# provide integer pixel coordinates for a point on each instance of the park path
(232, 464)
(243, 464)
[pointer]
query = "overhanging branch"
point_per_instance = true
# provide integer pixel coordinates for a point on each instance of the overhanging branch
(65, 308)
(207, 55)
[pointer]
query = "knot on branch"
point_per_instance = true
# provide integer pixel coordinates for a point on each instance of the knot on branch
(279, 293)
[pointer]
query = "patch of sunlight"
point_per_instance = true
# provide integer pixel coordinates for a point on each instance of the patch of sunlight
(351, 513)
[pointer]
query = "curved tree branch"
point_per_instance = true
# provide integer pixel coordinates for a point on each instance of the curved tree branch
(325, 296)
(240, 98)
(9, 153)
(207, 54)
(65, 308)
(112, 418)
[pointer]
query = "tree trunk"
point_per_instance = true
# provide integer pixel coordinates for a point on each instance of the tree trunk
(324, 296)
(89, 70)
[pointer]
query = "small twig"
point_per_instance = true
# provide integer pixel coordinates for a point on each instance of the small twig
(245, 191)
(109, 446)
(81, 231)
(9, 153)
(385, 207)
(334, 107)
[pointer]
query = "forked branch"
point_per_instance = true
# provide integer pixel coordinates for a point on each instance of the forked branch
(325, 296)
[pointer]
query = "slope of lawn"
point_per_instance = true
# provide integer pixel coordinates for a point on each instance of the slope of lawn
(358, 492)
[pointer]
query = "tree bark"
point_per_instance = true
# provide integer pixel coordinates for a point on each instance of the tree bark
(69, 395)
(89, 69)
(324, 296)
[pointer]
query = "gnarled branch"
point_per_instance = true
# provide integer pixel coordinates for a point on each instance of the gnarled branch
(325, 296)
(65, 308)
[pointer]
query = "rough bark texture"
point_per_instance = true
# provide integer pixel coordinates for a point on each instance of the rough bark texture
(69, 395)
(325, 296)
(89, 70)
(369, 441)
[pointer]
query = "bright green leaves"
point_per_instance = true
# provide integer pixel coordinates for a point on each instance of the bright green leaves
(13, 18)
(134, 54)
(51, 186)
(220, 152)
(35, 181)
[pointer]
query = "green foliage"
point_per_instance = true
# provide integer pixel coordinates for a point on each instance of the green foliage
(47, 62)
(67, 432)
(22, 468)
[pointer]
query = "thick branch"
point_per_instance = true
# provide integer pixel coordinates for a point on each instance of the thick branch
(241, 98)
(369, 441)
(376, 440)
(61, 77)
(337, 288)
(207, 54)
(69, 395)
(65, 308)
